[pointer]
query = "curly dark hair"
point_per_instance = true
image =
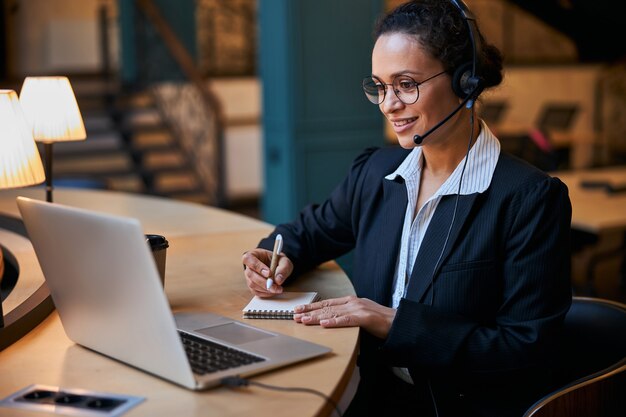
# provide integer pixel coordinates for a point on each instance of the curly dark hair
(440, 28)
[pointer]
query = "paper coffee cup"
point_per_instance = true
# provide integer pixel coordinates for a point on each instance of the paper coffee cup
(158, 246)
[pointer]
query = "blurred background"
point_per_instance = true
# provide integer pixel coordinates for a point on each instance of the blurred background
(256, 105)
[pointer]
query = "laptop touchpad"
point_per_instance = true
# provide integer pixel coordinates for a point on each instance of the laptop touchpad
(235, 333)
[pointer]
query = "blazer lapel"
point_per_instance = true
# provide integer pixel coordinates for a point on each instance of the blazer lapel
(390, 232)
(424, 272)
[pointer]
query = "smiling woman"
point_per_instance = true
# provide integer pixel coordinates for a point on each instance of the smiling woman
(461, 261)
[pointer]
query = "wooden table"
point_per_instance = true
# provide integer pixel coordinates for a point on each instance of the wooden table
(599, 214)
(594, 210)
(203, 272)
(581, 144)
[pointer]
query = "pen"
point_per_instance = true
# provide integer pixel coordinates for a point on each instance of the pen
(278, 247)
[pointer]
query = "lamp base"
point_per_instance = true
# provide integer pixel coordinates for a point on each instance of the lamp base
(48, 150)
(31, 311)
(1, 275)
(1, 266)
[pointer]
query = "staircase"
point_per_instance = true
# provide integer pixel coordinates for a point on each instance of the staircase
(129, 147)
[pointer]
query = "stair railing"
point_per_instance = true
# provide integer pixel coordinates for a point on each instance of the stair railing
(186, 63)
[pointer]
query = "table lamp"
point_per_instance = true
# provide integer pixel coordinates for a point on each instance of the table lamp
(20, 164)
(52, 112)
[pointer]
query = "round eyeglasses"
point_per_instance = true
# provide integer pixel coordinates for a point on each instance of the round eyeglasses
(404, 87)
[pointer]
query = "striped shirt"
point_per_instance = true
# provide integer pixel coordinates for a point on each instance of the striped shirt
(481, 163)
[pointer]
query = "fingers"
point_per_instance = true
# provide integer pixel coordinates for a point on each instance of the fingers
(254, 260)
(348, 312)
(340, 321)
(323, 304)
(334, 312)
(328, 317)
(257, 272)
(283, 270)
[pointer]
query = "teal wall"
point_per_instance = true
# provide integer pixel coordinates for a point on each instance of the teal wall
(313, 55)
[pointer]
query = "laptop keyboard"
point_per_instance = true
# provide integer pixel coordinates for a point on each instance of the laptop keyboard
(206, 357)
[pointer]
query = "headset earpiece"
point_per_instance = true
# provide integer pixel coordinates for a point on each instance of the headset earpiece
(466, 81)
(460, 84)
(464, 84)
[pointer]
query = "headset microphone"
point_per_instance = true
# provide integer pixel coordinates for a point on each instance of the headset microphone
(418, 139)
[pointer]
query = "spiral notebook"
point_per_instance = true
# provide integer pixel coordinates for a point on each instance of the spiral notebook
(279, 306)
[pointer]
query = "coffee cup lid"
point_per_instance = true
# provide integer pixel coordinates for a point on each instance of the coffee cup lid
(157, 242)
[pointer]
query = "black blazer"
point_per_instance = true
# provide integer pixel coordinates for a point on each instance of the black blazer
(480, 325)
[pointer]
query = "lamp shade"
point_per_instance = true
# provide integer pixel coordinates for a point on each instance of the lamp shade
(51, 109)
(20, 163)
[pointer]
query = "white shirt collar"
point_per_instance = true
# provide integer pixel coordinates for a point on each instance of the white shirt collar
(482, 160)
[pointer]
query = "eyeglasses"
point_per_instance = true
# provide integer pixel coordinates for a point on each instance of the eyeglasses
(404, 87)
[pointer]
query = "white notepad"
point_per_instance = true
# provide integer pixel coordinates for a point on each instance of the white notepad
(279, 306)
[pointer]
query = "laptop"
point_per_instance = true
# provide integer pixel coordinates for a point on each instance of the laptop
(106, 288)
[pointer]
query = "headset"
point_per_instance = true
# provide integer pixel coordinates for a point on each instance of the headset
(466, 80)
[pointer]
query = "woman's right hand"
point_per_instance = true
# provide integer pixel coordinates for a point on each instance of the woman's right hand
(256, 270)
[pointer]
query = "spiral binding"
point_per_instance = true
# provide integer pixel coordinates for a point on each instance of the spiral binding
(268, 314)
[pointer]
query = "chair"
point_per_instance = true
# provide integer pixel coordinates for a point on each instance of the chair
(592, 367)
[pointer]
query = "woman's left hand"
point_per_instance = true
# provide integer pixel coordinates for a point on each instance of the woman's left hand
(348, 311)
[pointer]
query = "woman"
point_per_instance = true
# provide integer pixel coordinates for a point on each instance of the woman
(461, 252)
